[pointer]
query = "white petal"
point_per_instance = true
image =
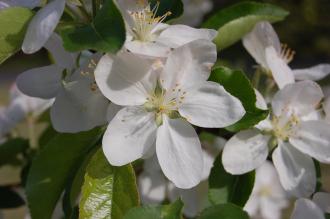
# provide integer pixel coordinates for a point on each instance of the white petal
(314, 73)
(179, 153)
(306, 209)
(78, 108)
(261, 102)
(245, 151)
(262, 36)
(178, 35)
(210, 105)
(295, 169)
(149, 49)
(60, 55)
(326, 108)
(208, 160)
(313, 138)
(43, 82)
(129, 136)
(322, 199)
(152, 187)
(270, 208)
(281, 72)
(302, 97)
(125, 79)
(42, 26)
(189, 64)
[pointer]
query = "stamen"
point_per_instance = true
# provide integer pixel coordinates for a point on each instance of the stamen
(287, 54)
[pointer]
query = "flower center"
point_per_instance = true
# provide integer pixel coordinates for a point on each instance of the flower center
(145, 22)
(166, 102)
(283, 126)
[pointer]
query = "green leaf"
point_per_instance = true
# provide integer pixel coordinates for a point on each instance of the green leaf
(108, 191)
(106, 33)
(171, 211)
(9, 198)
(236, 83)
(327, 216)
(10, 150)
(224, 211)
(13, 24)
(234, 22)
(227, 188)
(318, 176)
(175, 7)
(52, 167)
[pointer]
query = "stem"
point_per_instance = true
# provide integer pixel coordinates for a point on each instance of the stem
(31, 122)
(96, 6)
(78, 13)
(256, 78)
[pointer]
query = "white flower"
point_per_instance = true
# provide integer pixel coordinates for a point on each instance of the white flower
(154, 188)
(42, 26)
(194, 10)
(268, 198)
(294, 127)
(79, 105)
(19, 108)
(316, 208)
(264, 46)
(19, 3)
(147, 35)
(160, 103)
(326, 107)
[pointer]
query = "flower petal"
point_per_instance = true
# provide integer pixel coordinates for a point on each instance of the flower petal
(245, 151)
(61, 56)
(152, 187)
(295, 169)
(177, 35)
(306, 209)
(179, 153)
(125, 79)
(262, 36)
(281, 72)
(42, 26)
(148, 49)
(189, 64)
(313, 138)
(322, 199)
(129, 135)
(314, 73)
(302, 97)
(43, 82)
(78, 108)
(326, 107)
(210, 105)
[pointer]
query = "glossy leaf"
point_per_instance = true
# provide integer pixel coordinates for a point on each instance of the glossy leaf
(227, 188)
(10, 150)
(9, 198)
(52, 167)
(171, 211)
(175, 7)
(13, 24)
(108, 191)
(106, 33)
(234, 22)
(236, 83)
(224, 211)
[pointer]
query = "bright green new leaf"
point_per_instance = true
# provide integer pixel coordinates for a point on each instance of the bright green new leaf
(13, 24)
(108, 191)
(226, 188)
(171, 211)
(10, 150)
(234, 22)
(52, 167)
(174, 8)
(224, 211)
(236, 83)
(106, 33)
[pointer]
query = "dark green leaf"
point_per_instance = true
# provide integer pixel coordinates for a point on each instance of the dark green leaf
(106, 33)
(52, 167)
(236, 83)
(108, 191)
(227, 188)
(13, 24)
(9, 198)
(318, 176)
(10, 150)
(171, 211)
(234, 22)
(224, 211)
(327, 216)
(175, 7)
